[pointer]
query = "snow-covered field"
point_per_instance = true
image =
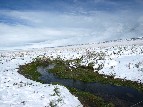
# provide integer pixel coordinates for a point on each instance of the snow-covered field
(123, 59)
(17, 91)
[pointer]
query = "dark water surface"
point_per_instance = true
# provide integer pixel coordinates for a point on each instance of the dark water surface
(121, 96)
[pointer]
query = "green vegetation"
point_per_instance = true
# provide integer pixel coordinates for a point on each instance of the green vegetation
(89, 100)
(72, 69)
(30, 70)
(86, 73)
(63, 69)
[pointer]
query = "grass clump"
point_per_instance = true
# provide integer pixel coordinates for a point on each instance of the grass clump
(89, 100)
(30, 70)
(64, 69)
(87, 74)
(72, 69)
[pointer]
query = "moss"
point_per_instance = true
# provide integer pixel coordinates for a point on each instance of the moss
(87, 74)
(63, 69)
(30, 70)
(89, 100)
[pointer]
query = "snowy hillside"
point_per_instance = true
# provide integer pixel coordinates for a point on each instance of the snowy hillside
(122, 59)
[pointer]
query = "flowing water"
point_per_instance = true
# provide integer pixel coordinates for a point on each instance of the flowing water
(121, 96)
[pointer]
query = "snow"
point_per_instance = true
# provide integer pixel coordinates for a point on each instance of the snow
(17, 91)
(124, 59)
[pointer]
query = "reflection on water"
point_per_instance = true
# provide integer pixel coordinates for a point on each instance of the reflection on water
(119, 95)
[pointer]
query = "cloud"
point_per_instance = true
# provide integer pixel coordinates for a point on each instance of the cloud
(62, 28)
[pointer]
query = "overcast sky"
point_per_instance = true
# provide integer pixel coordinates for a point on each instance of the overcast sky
(63, 22)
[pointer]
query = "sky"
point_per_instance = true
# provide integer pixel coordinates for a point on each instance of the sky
(50, 23)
